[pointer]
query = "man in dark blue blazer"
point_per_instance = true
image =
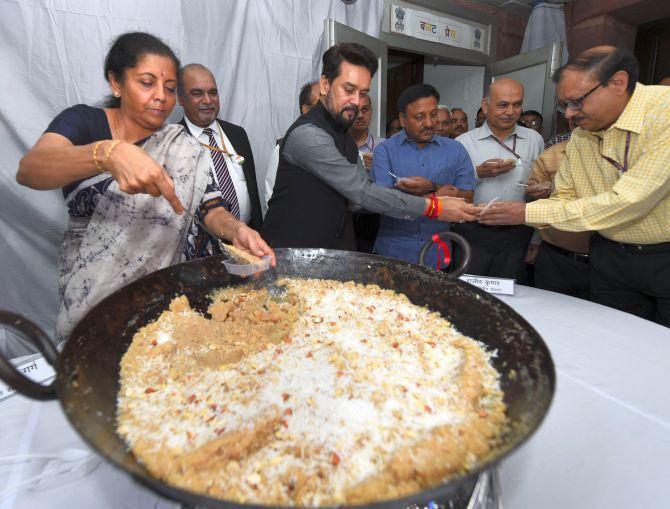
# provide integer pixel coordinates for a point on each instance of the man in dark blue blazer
(232, 159)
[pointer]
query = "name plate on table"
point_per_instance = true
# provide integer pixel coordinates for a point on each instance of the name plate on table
(37, 369)
(496, 285)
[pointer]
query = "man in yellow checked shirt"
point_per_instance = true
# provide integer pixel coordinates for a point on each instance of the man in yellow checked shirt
(615, 180)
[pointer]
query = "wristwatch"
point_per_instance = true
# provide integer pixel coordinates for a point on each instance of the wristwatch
(433, 187)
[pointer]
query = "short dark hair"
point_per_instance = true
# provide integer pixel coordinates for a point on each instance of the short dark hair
(480, 110)
(305, 97)
(355, 54)
(603, 63)
(533, 112)
(126, 50)
(414, 93)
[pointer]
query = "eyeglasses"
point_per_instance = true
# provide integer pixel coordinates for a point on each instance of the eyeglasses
(530, 123)
(577, 104)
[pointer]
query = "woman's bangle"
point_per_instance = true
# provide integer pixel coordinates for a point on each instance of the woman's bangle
(108, 154)
(95, 156)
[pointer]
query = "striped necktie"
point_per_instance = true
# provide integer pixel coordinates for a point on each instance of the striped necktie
(223, 175)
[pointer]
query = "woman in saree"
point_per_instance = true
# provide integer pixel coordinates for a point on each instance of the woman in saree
(127, 179)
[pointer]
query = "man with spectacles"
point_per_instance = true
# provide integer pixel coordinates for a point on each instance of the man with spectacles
(532, 120)
(615, 181)
(481, 118)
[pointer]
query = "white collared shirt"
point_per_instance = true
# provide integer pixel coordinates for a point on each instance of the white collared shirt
(482, 146)
(234, 169)
(370, 143)
(270, 177)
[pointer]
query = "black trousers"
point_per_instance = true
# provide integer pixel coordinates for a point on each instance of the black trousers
(629, 279)
(497, 251)
(366, 226)
(561, 272)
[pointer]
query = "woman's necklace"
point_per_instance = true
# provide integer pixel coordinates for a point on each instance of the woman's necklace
(117, 131)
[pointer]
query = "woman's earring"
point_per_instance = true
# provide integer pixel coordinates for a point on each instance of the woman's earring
(116, 94)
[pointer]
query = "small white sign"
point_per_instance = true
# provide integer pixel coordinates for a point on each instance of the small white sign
(441, 29)
(37, 369)
(496, 285)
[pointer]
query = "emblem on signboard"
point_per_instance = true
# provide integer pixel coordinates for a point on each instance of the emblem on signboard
(400, 19)
(478, 39)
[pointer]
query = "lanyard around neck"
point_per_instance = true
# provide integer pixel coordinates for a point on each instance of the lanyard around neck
(502, 144)
(624, 168)
(223, 142)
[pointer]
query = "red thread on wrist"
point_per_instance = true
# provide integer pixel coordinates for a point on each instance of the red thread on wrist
(435, 208)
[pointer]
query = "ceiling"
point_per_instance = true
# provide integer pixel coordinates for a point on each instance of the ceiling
(518, 7)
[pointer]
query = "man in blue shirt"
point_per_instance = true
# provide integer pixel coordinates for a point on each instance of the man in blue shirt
(419, 162)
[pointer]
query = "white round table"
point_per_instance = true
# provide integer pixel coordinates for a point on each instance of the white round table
(605, 442)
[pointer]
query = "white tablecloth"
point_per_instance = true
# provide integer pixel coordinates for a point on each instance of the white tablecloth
(604, 444)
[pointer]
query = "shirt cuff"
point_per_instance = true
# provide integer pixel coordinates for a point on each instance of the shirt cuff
(536, 213)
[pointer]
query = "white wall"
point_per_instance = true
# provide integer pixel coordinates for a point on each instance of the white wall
(460, 86)
(533, 80)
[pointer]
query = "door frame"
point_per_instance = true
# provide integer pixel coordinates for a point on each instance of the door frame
(335, 32)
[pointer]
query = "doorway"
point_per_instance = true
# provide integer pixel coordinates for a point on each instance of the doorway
(460, 86)
(652, 49)
(404, 70)
(459, 80)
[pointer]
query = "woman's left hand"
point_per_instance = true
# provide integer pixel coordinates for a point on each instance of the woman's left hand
(250, 240)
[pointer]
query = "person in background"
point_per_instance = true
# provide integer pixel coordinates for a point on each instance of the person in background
(532, 120)
(614, 181)
(115, 165)
(365, 140)
(459, 122)
(560, 137)
(228, 144)
(481, 118)
(443, 125)
(393, 127)
(320, 176)
(426, 163)
(366, 224)
(502, 153)
(308, 97)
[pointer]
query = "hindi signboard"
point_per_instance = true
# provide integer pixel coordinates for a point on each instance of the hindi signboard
(441, 29)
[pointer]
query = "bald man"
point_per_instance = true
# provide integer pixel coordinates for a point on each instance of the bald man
(614, 181)
(502, 153)
(232, 159)
(443, 123)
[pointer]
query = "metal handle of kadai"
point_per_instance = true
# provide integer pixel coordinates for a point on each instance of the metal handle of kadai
(36, 337)
(458, 239)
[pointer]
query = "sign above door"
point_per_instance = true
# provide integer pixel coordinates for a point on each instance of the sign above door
(441, 29)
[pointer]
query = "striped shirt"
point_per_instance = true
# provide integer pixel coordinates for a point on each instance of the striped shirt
(591, 194)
